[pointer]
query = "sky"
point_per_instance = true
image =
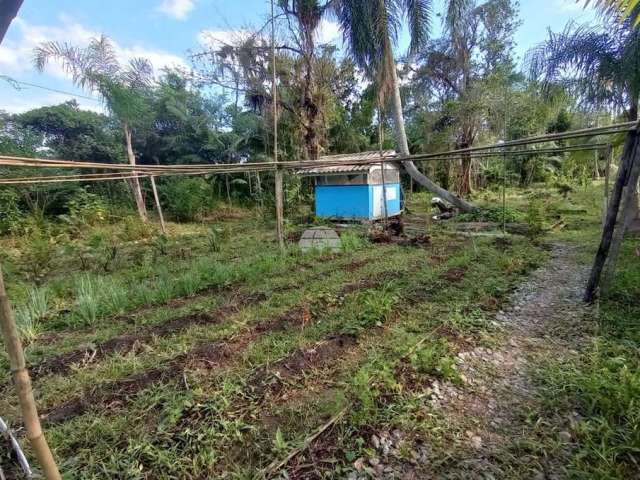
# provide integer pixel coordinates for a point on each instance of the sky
(164, 31)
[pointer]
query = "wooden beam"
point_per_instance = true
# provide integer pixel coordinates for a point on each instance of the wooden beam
(24, 390)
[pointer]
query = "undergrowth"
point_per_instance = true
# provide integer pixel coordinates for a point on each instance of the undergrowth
(603, 385)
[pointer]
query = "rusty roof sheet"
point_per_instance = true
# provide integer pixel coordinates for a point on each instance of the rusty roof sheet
(346, 158)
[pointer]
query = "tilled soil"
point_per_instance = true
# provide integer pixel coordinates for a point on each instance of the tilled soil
(221, 353)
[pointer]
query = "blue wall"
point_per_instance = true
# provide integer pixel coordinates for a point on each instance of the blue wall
(353, 201)
(344, 201)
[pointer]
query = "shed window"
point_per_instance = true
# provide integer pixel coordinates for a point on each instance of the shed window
(349, 179)
(390, 176)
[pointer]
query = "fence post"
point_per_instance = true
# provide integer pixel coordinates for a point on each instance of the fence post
(158, 207)
(279, 207)
(22, 381)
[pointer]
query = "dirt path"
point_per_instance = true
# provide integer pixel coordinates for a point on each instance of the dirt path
(492, 409)
(484, 423)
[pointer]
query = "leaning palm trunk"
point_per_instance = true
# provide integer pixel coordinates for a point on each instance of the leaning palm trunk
(135, 182)
(409, 166)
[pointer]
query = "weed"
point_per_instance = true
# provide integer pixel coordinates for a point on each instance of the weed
(30, 315)
(352, 241)
(39, 252)
(371, 309)
(435, 359)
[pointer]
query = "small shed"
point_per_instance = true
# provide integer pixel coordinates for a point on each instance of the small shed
(355, 192)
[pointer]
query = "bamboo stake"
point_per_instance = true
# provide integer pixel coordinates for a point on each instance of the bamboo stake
(158, 207)
(22, 381)
(278, 176)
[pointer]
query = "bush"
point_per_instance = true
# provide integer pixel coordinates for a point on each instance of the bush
(187, 199)
(87, 208)
(490, 214)
(11, 217)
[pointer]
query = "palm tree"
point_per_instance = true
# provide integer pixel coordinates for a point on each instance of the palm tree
(623, 8)
(370, 29)
(600, 66)
(123, 88)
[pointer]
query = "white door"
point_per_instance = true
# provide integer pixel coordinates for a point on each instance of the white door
(377, 201)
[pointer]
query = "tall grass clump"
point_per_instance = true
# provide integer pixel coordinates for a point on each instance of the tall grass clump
(352, 241)
(30, 315)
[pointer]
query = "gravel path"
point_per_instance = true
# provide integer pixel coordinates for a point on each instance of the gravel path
(545, 319)
(484, 425)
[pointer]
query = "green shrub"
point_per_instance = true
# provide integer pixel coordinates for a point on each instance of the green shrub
(11, 217)
(39, 250)
(87, 208)
(135, 229)
(187, 199)
(535, 216)
(491, 214)
(352, 241)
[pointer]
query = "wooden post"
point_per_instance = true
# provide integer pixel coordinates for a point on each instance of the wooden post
(626, 217)
(607, 179)
(22, 381)
(278, 182)
(279, 208)
(158, 207)
(629, 155)
(384, 186)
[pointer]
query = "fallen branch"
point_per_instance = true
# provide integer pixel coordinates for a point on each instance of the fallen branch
(276, 465)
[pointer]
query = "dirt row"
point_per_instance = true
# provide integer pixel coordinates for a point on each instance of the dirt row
(219, 354)
(232, 303)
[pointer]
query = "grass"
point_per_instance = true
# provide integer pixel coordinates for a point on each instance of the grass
(602, 385)
(404, 312)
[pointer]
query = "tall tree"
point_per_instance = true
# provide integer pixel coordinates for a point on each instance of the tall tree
(370, 29)
(467, 66)
(600, 65)
(124, 88)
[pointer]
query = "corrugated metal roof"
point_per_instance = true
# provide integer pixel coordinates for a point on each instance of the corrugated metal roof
(346, 158)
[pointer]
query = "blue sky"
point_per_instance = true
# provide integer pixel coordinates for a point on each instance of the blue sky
(164, 31)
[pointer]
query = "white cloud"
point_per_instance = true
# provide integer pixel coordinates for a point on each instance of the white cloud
(569, 6)
(16, 56)
(28, 99)
(176, 9)
(329, 32)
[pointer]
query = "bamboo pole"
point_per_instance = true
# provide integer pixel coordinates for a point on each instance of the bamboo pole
(279, 208)
(384, 187)
(158, 207)
(13, 345)
(278, 175)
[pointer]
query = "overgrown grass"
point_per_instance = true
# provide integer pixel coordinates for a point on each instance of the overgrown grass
(603, 384)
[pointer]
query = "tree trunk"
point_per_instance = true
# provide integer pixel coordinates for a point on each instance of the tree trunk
(628, 157)
(403, 147)
(135, 182)
(464, 183)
